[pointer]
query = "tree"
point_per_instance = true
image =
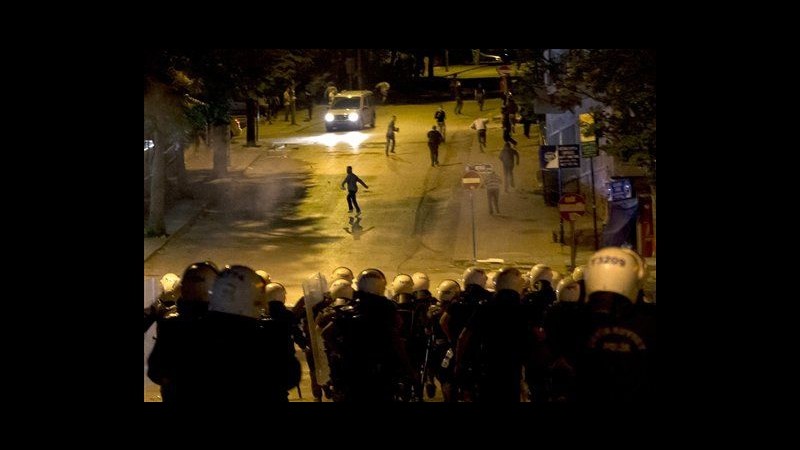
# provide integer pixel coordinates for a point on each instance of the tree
(623, 81)
(170, 121)
(165, 122)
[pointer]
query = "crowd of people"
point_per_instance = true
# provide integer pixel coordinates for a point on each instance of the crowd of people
(501, 336)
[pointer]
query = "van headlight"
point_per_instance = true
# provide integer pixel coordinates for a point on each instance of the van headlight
(352, 117)
(328, 117)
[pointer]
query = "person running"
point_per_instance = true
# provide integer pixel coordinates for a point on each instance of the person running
(479, 124)
(352, 187)
(508, 155)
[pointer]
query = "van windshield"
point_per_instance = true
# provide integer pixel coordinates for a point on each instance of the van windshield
(346, 103)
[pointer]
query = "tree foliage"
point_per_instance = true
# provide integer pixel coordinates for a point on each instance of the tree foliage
(623, 81)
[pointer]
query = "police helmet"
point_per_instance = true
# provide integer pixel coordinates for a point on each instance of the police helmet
(275, 292)
(342, 272)
(170, 287)
(198, 281)
(448, 290)
(239, 290)
(372, 281)
(540, 272)
(402, 284)
(509, 278)
(568, 290)
(615, 269)
(263, 274)
(475, 275)
(421, 281)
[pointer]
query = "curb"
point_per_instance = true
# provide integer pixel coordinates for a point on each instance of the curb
(192, 219)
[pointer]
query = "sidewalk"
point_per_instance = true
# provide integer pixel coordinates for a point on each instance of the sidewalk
(182, 214)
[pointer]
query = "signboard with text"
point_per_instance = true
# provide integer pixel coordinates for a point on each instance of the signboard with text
(569, 156)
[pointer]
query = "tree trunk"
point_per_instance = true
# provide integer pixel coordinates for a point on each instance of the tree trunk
(158, 183)
(221, 145)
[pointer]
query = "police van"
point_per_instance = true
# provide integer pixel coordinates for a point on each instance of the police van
(351, 110)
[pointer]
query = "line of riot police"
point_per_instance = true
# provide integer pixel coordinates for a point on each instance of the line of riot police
(586, 337)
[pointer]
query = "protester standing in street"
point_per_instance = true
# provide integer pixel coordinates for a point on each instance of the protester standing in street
(288, 102)
(480, 94)
(390, 130)
(352, 187)
(508, 155)
(434, 139)
(440, 117)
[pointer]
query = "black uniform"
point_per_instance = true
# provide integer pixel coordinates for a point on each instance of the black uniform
(366, 354)
(177, 354)
(615, 362)
(495, 340)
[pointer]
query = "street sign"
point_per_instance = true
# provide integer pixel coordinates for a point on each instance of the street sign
(571, 206)
(569, 156)
(588, 149)
(471, 180)
(480, 168)
(504, 70)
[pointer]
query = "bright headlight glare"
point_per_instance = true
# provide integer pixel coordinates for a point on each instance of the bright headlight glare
(328, 117)
(352, 117)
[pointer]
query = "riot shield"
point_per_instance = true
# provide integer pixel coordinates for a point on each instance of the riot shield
(313, 289)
